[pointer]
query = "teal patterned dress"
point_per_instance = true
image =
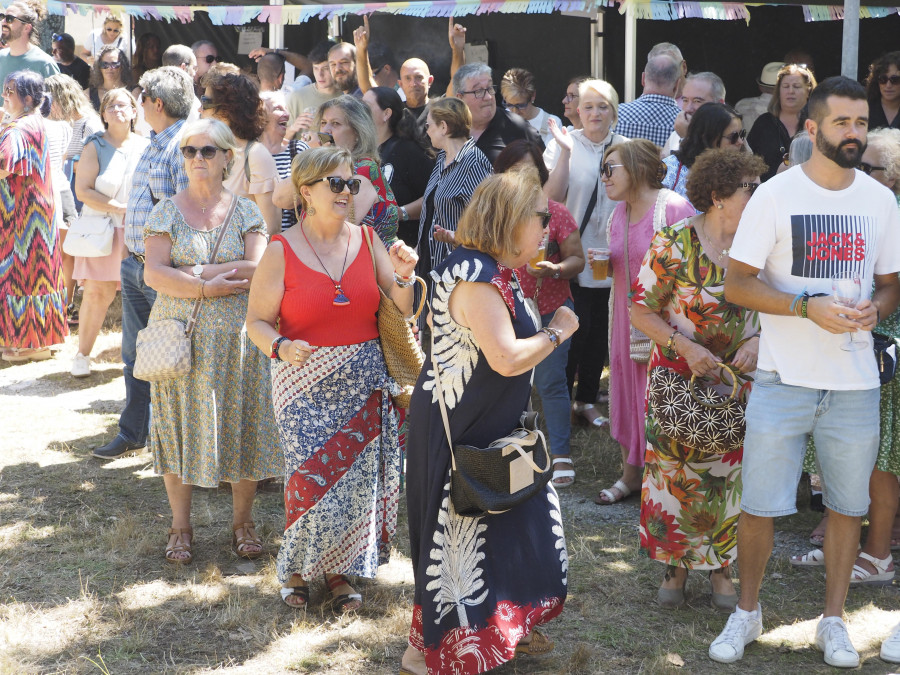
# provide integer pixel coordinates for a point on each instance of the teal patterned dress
(215, 424)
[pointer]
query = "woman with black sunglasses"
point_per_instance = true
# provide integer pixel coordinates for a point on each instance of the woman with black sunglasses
(713, 125)
(110, 71)
(312, 309)
(883, 91)
(690, 499)
(215, 424)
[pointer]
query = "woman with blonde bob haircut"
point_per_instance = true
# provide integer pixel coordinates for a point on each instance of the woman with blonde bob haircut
(574, 160)
(312, 309)
(485, 344)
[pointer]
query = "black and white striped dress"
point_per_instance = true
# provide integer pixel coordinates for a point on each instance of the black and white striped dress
(283, 165)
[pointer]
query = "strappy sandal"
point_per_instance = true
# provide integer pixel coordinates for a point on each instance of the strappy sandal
(815, 558)
(347, 600)
(301, 592)
(180, 546)
(537, 645)
(882, 576)
(610, 497)
(567, 476)
(586, 413)
(238, 543)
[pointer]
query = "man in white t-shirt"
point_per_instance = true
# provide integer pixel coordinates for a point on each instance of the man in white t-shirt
(801, 228)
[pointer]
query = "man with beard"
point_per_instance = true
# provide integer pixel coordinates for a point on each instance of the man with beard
(20, 37)
(814, 223)
(342, 62)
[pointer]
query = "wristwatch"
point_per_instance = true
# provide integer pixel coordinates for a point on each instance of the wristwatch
(558, 273)
(403, 214)
(197, 270)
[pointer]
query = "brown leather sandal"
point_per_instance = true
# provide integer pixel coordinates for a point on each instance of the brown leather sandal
(180, 546)
(537, 645)
(248, 539)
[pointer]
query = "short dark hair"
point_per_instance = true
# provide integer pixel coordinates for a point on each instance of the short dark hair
(27, 83)
(833, 86)
(319, 53)
(720, 171)
(380, 55)
(518, 150)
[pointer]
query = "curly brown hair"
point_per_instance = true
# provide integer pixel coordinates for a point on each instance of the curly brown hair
(96, 78)
(237, 103)
(879, 67)
(718, 172)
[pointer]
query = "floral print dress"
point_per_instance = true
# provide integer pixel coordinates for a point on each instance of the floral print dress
(690, 500)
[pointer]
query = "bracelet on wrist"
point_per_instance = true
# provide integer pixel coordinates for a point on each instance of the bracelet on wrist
(554, 334)
(804, 305)
(670, 345)
(276, 345)
(404, 215)
(404, 282)
(203, 288)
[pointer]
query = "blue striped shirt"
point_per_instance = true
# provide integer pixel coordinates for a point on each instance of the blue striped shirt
(159, 173)
(652, 116)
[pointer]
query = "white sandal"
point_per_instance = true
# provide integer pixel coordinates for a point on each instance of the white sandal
(610, 495)
(563, 474)
(883, 577)
(578, 410)
(815, 558)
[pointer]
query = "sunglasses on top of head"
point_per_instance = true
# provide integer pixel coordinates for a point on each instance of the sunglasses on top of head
(337, 184)
(206, 152)
(9, 18)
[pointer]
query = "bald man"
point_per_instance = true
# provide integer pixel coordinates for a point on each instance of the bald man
(415, 81)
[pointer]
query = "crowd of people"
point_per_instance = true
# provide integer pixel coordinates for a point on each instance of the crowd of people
(674, 235)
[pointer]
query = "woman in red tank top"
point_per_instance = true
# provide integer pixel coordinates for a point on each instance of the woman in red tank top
(312, 308)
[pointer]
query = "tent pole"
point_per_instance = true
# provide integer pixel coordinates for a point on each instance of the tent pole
(630, 51)
(276, 30)
(850, 46)
(597, 38)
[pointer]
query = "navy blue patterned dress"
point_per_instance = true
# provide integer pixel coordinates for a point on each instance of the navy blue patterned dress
(482, 584)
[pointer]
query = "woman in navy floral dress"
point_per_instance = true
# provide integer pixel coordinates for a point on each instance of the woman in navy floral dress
(482, 584)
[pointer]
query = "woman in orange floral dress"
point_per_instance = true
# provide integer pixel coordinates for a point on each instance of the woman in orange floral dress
(690, 500)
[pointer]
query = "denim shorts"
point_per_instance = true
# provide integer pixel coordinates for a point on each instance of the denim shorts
(781, 418)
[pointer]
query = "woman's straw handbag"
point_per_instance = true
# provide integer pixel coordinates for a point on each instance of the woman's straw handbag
(402, 355)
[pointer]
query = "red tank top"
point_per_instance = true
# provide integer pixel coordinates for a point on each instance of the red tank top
(307, 309)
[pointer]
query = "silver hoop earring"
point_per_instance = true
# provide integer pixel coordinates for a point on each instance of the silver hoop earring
(310, 211)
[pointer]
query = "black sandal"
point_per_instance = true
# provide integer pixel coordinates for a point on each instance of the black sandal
(346, 599)
(301, 592)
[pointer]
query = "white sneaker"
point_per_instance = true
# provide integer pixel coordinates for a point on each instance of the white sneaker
(81, 365)
(890, 648)
(742, 629)
(832, 638)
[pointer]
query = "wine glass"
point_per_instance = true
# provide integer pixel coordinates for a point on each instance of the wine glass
(847, 288)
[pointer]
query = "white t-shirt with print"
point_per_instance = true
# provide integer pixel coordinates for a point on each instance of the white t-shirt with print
(800, 234)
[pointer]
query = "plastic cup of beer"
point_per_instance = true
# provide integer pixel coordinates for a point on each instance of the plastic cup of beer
(599, 262)
(540, 256)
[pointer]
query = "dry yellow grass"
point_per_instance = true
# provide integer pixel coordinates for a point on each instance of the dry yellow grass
(84, 587)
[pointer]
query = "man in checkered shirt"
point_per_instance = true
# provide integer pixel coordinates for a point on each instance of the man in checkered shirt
(167, 100)
(652, 116)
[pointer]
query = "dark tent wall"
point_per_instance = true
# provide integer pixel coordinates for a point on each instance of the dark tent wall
(737, 52)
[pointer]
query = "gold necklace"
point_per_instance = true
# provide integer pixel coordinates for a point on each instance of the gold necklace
(725, 251)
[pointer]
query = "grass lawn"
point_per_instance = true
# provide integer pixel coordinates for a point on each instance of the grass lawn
(84, 587)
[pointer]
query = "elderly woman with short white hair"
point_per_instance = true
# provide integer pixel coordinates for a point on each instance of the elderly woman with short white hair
(216, 423)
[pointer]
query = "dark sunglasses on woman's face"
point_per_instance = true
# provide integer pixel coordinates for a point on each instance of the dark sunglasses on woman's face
(337, 184)
(735, 136)
(110, 65)
(206, 152)
(893, 79)
(545, 218)
(867, 168)
(325, 138)
(751, 187)
(206, 103)
(210, 58)
(9, 18)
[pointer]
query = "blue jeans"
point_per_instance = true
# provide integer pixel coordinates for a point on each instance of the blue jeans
(550, 380)
(780, 419)
(137, 301)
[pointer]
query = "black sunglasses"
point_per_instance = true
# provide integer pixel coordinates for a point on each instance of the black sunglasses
(545, 218)
(735, 136)
(337, 184)
(206, 103)
(9, 18)
(606, 169)
(212, 59)
(107, 65)
(325, 138)
(893, 79)
(751, 187)
(206, 152)
(867, 168)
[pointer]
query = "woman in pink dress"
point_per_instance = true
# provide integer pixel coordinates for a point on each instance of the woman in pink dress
(631, 173)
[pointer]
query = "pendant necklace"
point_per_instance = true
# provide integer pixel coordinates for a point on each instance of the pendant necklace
(340, 300)
(725, 251)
